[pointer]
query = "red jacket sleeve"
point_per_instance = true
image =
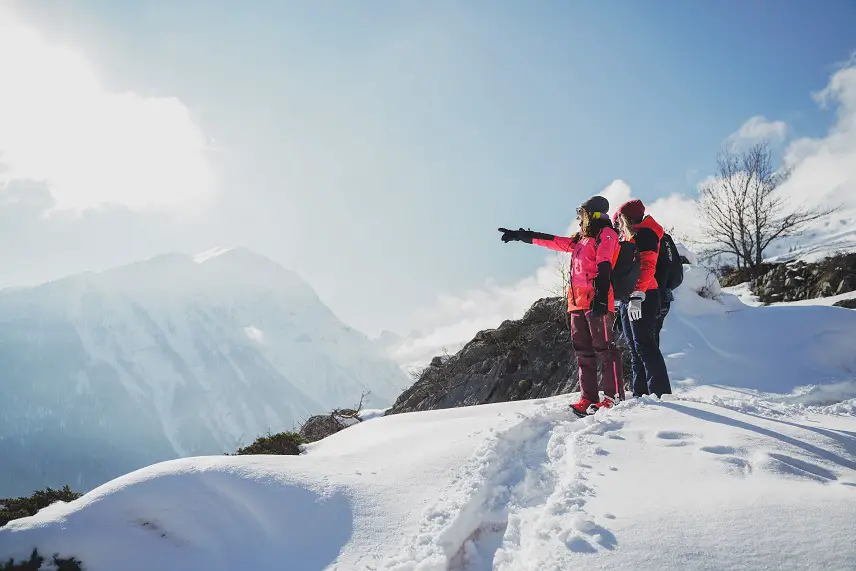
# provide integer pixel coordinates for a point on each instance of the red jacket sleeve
(648, 244)
(558, 243)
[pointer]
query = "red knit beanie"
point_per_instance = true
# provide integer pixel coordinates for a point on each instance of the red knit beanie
(633, 209)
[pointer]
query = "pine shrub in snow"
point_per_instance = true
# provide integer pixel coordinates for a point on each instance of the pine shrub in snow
(34, 563)
(284, 443)
(16, 508)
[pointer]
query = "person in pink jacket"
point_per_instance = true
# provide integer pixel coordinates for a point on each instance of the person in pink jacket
(591, 303)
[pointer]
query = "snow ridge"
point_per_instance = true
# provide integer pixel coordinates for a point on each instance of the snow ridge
(203, 257)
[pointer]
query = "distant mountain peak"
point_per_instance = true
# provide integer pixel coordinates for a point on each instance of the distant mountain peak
(172, 355)
(203, 257)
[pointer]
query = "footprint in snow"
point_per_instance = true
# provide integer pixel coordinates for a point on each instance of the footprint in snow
(587, 535)
(719, 449)
(744, 467)
(580, 545)
(675, 438)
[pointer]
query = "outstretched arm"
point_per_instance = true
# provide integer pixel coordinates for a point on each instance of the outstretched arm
(557, 243)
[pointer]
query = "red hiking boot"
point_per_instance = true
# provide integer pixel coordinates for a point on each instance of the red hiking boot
(607, 402)
(584, 407)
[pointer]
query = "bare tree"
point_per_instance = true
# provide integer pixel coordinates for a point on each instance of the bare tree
(563, 282)
(744, 209)
(351, 412)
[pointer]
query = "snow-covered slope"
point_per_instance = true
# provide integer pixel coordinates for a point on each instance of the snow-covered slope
(750, 470)
(704, 480)
(778, 348)
(830, 235)
(173, 356)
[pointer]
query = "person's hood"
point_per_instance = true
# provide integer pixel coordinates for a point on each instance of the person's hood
(651, 224)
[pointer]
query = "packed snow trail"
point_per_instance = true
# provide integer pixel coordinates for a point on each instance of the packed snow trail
(727, 481)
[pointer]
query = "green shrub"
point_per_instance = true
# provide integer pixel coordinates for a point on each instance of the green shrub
(284, 443)
(35, 563)
(16, 508)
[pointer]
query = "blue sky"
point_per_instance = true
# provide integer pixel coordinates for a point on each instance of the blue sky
(375, 147)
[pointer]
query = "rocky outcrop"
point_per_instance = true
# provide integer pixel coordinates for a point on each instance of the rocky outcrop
(800, 280)
(321, 426)
(847, 303)
(524, 359)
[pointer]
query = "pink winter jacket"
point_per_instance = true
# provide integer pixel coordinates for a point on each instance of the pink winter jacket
(586, 254)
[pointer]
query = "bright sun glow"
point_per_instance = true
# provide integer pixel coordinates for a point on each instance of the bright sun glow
(60, 125)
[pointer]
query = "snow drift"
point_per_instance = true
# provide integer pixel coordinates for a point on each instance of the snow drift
(717, 339)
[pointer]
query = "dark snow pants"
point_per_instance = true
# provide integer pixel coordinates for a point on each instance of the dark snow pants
(642, 336)
(592, 338)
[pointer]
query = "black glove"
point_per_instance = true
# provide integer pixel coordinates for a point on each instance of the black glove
(522, 235)
(511, 235)
(600, 301)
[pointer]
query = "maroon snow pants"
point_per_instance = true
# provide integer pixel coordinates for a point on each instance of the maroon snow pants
(592, 338)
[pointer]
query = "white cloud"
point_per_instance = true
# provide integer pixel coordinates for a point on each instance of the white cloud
(759, 128)
(823, 174)
(823, 170)
(93, 147)
(678, 214)
(617, 192)
(454, 320)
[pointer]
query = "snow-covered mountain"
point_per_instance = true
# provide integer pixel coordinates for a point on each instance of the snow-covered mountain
(176, 355)
(751, 464)
(827, 236)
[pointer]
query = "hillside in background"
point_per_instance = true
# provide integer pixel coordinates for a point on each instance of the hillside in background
(174, 356)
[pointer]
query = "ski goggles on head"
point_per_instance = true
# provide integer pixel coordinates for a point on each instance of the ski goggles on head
(594, 215)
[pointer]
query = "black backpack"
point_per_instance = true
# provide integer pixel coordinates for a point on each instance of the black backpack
(625, 270)
(670, 270)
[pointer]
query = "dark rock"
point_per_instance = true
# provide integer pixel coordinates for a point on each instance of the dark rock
(798, 280)
(320, 426)
(848, 303)
(525, 359)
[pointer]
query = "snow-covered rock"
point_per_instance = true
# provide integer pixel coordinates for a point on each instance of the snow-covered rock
(173, 356)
